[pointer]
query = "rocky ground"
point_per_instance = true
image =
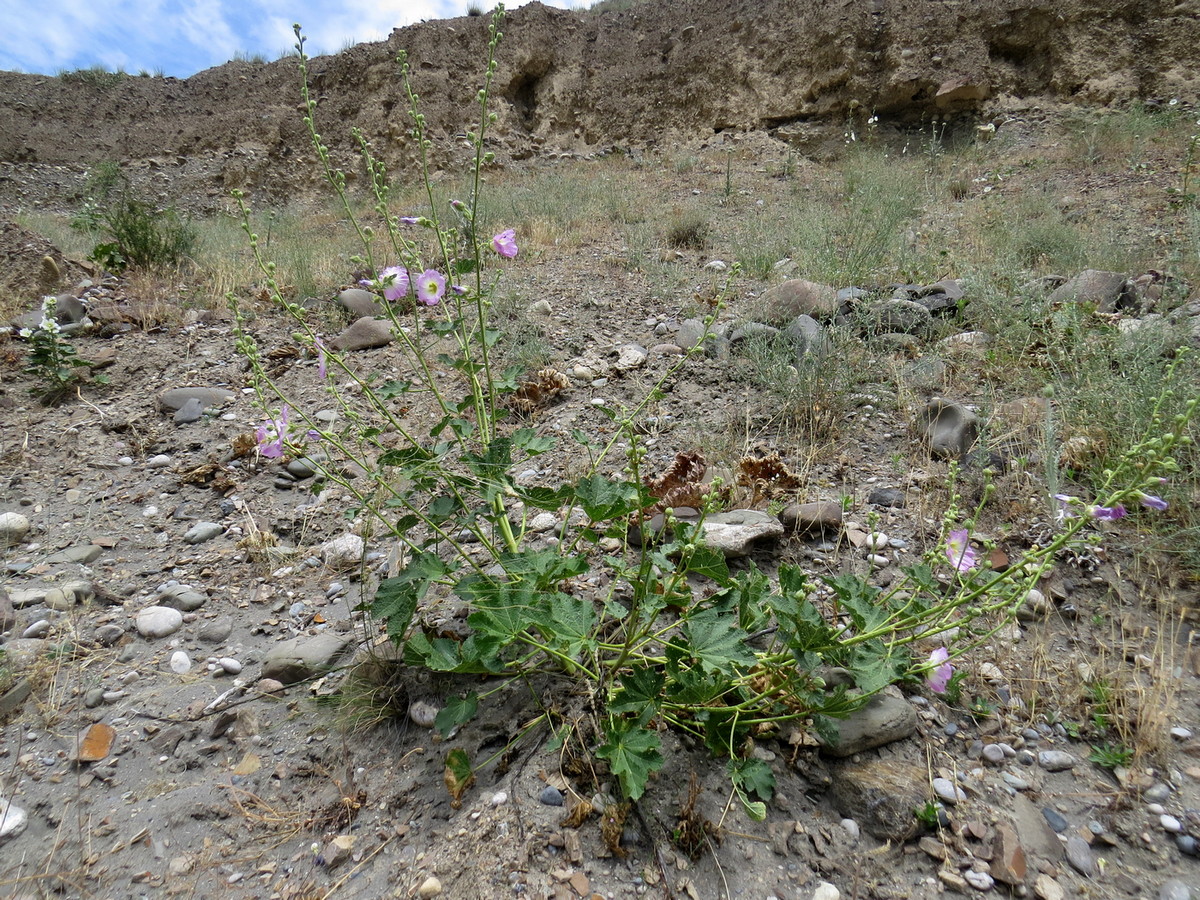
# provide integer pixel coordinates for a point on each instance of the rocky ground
(178, 612)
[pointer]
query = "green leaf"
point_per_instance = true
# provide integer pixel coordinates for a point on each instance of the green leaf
(456, 712)
(754, 776)
(390, 390)
(639, 693)
(633, 754)
(458, 775)
(568, 621)
(396, 598)
(603, 499)
(713, 639)
(860, 600)
(709, 563)
(528, 440)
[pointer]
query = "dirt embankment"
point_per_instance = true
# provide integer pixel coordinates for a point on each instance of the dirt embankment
(580, 81)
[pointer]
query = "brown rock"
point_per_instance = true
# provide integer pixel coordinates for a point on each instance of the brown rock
(1008, 856)
(798, 297)
(812, 518)
(957, 91)
(94, 743)
(365, 334)
(881, 795)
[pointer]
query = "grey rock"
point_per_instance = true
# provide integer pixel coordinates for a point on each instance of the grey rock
(203, 531)
(182, 597)
(947, 427)
(1037, 836)
(752, 332)
(1056, 760)
(107, 635)
(22, 653)
(812, 518)
(39, 629)
(176, 398)
(83, 554)
(1174, 889)
(14, 527)
(798, 297)
(158, 621)
(981, 881)
(1187, 845)
(305, 466)
(69, 310)
(895, 342)
(191, 411)
(903, 316)
(1079, 855)
(689, 334)
(928, 373)
(808, 336)
(551, 796)
(300, 658)
(738, 532)
(1055, 820)
(360, 303)
(949, 792)
(1107, 291)
(993, 754)
(94, 697)
(881, 795)
(365, 334)
(947, 287)
(13, 819)
(886, 718)
(887, 497)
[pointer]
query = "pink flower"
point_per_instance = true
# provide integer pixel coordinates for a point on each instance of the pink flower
(270, 435)
(394, 280)
(410, 220)
(430, 287)
(1107, 513)
(959, 551)
(941, 670)
(505, 243)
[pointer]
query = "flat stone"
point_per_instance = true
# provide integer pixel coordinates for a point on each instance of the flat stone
(1107, 291)
(176, 398)
(948, 792)
(812, 518)
(39, 629)
(885, 719)
(1174, 889)
(1048, 889)
(690, 332)
(740, 531)
(890, 498)
(94, 743)
(807, 336)
(898, 316)
(215, 631)
(631, 356)
(203, 531)
(881, 795)
(1037, 837)
(1008, 856)
(1079, 855)
(107, 635)
(798, 297)
(360, 303)
(191, 411)
(947, 427)
(300, 658)
(1056, 760)
(365, 334)
(182, 597)
(21, 654)
(158, 621)
(13, 529)
(83, 554)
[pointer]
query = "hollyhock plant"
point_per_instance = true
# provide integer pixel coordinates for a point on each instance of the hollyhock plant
(505, 243)
(395, 283)
(410, 220)
(960, 552)
(270, 435)
(430, 287)
(941, 670)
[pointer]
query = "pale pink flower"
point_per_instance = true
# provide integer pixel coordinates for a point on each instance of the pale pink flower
(959, 551)
(394, 280)
(941, 670)
(270, 435)
(430, 287)
(505, 243)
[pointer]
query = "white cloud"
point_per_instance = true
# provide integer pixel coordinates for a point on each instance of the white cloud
(181, 37)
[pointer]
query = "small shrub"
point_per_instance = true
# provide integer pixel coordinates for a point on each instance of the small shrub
(688, 229)
(96, 76)
(142, 236)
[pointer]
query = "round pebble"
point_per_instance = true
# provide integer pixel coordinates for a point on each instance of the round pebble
(876, 540)
(13, 528)
(851, 828)
(161, 461)
(38, 629)
(551, 796)
(994, 754)
(499, 798)
(180, 663)
(981, 881)
(422, 713)
(13, 819)
(158, 621)
(826, 891)
(430, 887)
(1187, 845)
(948, 791)
(1056, 760)
(1170, 824)
(229, 665)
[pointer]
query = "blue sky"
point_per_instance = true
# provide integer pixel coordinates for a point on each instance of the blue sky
(181, 37)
